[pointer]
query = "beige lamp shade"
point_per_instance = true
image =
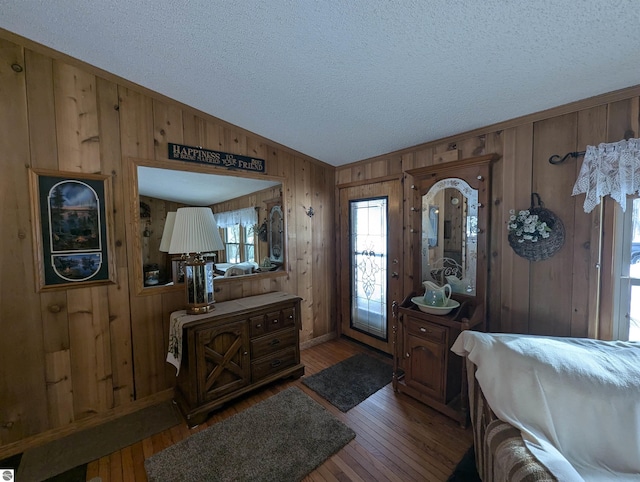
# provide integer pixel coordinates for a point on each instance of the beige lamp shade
(195, 231)
(167, 232)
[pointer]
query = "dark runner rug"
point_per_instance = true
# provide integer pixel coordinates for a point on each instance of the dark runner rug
(280, 439)
(466, 470)
(65, 459)
(348, 383)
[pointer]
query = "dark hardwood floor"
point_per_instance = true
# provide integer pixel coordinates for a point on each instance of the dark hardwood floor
(397, 438)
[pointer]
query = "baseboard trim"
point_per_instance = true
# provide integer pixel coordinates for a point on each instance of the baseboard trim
(316, 341)
(20, 446)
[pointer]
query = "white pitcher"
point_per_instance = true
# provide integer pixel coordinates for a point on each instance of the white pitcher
(435, 295)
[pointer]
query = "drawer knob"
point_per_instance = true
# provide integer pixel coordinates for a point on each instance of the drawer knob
(275, 363)
(407, 355)
(259, 325)
(424, 330)
(275, 321)
(245, 353)
(275, 342)
(291, 317)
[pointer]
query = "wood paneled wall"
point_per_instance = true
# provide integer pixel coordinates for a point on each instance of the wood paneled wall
(71, 356)
(551, 297)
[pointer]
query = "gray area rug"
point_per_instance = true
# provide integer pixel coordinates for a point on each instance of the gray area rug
(54, 458)
(280, 439)
(348, 383)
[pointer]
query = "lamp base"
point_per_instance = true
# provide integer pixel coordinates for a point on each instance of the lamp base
(199, 285)
(199, 310)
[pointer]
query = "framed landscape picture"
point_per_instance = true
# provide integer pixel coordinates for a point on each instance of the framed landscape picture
(72, 224)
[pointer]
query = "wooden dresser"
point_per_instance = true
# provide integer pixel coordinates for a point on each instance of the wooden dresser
(425, 368)
(240, 346)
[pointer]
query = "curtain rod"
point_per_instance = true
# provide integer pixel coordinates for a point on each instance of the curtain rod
(556, 159)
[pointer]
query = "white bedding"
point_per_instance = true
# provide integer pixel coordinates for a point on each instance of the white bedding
(575, 400)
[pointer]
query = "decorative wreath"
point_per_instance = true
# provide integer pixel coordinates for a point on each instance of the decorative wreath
(537, 233)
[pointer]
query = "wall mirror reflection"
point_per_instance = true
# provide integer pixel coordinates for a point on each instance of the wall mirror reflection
(449, 243)
(241, 203)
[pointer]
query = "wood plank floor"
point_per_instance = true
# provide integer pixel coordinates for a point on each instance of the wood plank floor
(397, 438)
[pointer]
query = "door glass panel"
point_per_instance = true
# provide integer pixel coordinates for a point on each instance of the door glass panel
(368, 247)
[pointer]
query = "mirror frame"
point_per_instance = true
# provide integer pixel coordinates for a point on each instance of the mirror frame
(475, 171)
(132, 217)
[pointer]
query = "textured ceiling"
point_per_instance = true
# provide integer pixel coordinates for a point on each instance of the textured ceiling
(346, 80)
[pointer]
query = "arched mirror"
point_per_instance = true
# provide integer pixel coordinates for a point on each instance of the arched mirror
(452, 200)
(159, 187)
(449, 244)
(276, 231)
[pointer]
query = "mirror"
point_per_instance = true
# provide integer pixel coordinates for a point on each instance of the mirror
(449, 243)
(159, 187)
(451, 207)
(276, 229)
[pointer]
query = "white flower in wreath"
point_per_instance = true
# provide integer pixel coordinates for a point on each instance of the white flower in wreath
(527, 227)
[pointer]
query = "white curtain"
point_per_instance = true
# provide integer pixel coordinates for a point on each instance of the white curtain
(244, 217)
(610, 169)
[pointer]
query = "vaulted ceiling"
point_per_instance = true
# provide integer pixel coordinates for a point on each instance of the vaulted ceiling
(345, 80)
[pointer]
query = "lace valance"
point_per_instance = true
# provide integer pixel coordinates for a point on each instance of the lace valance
(244, 217)
(610, 169)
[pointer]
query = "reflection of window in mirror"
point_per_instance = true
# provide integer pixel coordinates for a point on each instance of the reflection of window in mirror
(239, 242)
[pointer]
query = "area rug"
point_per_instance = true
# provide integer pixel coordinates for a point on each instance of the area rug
(280, 439)
(72, 452)
(466, 470)
(348, 383)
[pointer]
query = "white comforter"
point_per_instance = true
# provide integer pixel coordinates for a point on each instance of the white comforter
(575, 400)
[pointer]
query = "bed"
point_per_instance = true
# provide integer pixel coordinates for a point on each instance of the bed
(552, 408)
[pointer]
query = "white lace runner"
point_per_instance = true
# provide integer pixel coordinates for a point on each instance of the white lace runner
(610, 169)
(178, 319)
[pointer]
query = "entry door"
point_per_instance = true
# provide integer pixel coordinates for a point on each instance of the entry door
(370, 254)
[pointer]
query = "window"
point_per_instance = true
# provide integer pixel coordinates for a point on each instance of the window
(239, 243)
(627, 316)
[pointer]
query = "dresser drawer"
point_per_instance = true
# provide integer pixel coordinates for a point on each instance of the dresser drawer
(257, 325)
(280, 319)
(427, 330)
(273, 363)
(273, 342)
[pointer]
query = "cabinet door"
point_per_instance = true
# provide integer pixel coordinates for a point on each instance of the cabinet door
(222, 359)
(424, 365)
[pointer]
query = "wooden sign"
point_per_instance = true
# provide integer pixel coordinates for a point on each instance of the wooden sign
(179, 152)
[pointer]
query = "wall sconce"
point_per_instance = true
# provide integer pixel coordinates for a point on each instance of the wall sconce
(195, 232)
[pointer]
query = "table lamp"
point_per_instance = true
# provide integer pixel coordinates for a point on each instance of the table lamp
(195, 232)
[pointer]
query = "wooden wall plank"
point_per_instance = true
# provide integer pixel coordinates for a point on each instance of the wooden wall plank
(136, 124)
(23, 408)
(42, 116)
(592, 125)
(76, 119)
(494, 144)
(167, 127)
(515, 270)
(90, 341)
